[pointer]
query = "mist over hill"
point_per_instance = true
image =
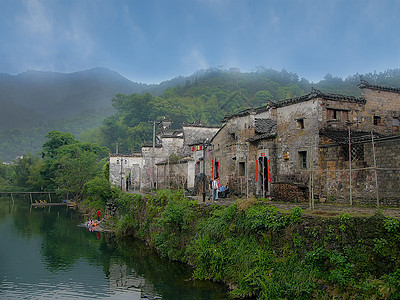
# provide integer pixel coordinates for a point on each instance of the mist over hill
(34, 97)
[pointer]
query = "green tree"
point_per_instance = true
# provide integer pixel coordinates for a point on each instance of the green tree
(22, 170)
(138, 134)
(172, 108)
(74, 171)
(262, 97)
(67, 164)
(97, 189)
(56, 139)
(133, 109)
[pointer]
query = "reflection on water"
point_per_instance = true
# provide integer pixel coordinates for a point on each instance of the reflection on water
(44, 254)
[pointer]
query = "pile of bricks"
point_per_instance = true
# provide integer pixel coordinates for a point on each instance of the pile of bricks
(288, 192)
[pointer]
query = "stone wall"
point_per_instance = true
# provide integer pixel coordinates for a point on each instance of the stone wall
(126, 170)
(173, 175)
(332, 180)
(383, 104)
(229, 154)
(297, 135)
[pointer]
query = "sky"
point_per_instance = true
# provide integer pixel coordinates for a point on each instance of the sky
(151, 41)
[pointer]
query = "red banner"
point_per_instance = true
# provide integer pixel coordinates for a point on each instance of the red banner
(256, 170)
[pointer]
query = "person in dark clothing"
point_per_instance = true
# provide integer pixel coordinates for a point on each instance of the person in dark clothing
(227, 190)
(211, 191)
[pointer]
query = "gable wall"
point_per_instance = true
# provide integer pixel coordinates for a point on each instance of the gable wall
(384, 104)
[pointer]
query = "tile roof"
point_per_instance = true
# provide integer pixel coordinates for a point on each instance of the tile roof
(342, 136)
(249, 111)
(366, 85)
(198, 124)
(195, 135)
(318, 94)
(264, 129)
(314, 94)
(264, 125)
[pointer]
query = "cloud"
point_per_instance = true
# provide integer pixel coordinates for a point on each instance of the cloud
(52, 36)
(194, 60)
(35, 19)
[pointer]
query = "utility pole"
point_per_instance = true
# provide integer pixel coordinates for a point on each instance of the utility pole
(121, 172)
(204, 170)
(116, 148)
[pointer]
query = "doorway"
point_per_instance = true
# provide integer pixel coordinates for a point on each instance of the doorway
(263, 175)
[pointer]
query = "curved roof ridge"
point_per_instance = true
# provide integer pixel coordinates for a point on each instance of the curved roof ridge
(366, 85)
(318, 94)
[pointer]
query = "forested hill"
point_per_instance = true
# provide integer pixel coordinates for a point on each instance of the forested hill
(32, 98)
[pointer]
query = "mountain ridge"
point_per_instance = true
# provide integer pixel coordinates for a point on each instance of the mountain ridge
(53, 95)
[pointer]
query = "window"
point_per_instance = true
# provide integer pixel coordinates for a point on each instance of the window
(117, 161)
(242, 168)
(337, 114)
(300, 123)
(303, 159)
(357, 152)
(377, 120)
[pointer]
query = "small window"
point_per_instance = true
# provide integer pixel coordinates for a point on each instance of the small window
(242, 168)
(357, 152)
(117, 161)
(336, 114)
(303, 159)
(300, 123)
(377, 120)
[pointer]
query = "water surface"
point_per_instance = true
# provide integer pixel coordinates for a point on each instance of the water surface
(44, 254)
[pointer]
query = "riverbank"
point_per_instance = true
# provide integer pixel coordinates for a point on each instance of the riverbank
(261, 251)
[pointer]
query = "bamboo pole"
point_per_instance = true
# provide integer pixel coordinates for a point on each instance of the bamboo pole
(350, 173)
(310, 190)
(376, 174)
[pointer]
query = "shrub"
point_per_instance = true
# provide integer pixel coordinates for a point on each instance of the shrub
(97, 188)
(391, 225)
(295, 214)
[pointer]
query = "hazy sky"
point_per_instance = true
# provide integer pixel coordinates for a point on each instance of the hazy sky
(155, 40)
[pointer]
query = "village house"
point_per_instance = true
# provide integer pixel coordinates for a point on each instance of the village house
(171, 160)
(301, 147)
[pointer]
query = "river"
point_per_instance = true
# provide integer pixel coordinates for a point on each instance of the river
(44, 254)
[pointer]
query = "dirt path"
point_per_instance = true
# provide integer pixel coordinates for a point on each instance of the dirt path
(321, 209)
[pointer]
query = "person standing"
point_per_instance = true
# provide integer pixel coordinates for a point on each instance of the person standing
(215, 189)
(98, 214)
